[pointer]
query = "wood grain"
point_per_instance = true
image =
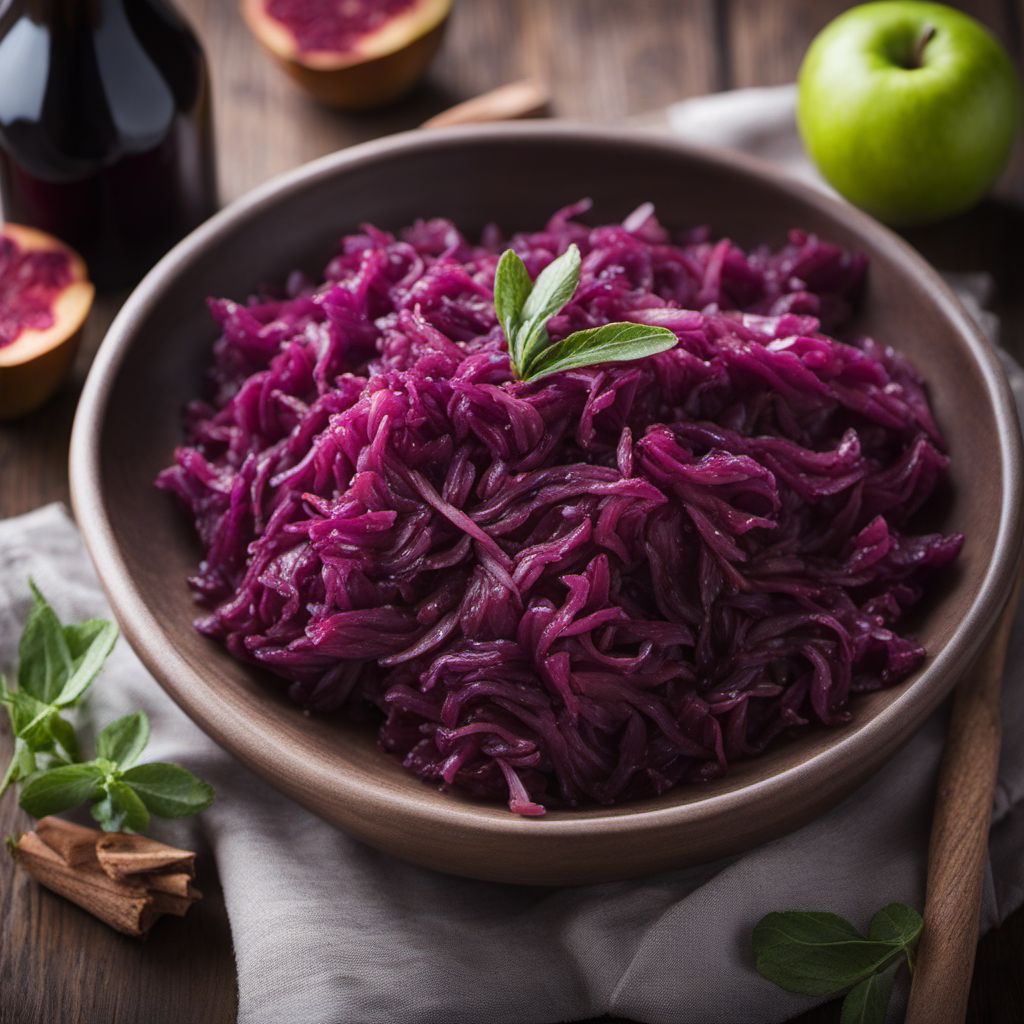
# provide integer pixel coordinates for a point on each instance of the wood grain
(767, 40)
(57, 965)
(958, 850)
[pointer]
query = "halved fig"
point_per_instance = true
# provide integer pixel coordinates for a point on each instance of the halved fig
(45, 296)
(352, 54)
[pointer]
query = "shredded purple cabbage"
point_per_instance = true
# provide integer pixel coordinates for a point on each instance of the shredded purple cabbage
(583, 590)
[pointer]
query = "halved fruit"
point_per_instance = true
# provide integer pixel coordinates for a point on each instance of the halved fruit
(352, 54)
(45, 296)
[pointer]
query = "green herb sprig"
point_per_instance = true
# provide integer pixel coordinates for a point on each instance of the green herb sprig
(56, 666)
(822, 954)
(524, 308)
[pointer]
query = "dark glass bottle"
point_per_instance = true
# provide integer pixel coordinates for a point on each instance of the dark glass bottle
(105, 128)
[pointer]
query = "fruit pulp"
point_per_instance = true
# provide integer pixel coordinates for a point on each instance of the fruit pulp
(30, 281)
(327, 25)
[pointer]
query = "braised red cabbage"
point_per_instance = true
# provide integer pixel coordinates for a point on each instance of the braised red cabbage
(583, 590)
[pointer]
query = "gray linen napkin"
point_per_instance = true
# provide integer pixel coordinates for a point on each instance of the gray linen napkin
(328, 931)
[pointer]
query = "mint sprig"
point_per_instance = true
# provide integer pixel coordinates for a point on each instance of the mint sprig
(524, 308)
(822, 954)
(57, 665)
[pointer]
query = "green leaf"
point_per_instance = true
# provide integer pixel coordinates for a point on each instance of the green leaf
(896, 923)
(168, 789)
(553, 288)
(95, 640)
(124, 740)
(120, 809)
(22, 764)
(80, 635)
(612, 343)
(44, 660)
(816, 954)
(512, 286)
(57, 789)
(867, 1002)
(63, 732)
(31, 724)
(30, 719)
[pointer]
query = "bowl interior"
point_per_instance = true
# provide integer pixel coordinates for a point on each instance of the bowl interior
(162, 347)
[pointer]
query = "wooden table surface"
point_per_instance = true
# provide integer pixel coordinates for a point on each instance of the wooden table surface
(603, 60)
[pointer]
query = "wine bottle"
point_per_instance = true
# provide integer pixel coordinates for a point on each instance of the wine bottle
(105, 128)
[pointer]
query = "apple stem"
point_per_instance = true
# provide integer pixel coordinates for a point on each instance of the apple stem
(924, 39)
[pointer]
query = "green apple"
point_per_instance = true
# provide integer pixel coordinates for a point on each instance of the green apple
(909, 109)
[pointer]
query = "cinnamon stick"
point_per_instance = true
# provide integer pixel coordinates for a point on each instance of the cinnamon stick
(74, 843)
(179, 884)
(125, 907)
(121, 855)
(127, 881)
(167, 903)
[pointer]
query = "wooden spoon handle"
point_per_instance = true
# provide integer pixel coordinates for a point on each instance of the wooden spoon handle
(506, 103)
(959, 840)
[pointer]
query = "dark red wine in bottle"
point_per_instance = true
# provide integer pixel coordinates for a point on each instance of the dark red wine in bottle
(105, 128)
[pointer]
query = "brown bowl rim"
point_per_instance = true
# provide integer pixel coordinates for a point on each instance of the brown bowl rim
(281, 765)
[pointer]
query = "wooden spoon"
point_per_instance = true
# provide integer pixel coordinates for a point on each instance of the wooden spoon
(506, 103)
(959, 840)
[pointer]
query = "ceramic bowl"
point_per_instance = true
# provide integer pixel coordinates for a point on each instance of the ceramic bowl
(153, 360)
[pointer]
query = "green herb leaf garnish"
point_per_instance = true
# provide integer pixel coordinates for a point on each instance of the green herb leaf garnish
(57, 666)
(524, 309)
(58, 789)
(512, 287)
(124, 740)
(612, 343)
(823, 954)
(121, 809)
(44, 658)
(169, 790)
(122, 796)
(867, 1002)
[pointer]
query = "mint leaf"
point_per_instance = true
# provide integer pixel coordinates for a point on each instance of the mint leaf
(169, 790)
(94, 640)
(64, 734)
(867, 1002)
(57, 789)
(816, 954)
(124, 740)
(38, 728)
(120, 810)
(612, 343)
(57, 665)
(44, 659)
(30, 718)
(22, 765)
(512, 287)
(80, 635)
(553, 288)
(523, 310)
